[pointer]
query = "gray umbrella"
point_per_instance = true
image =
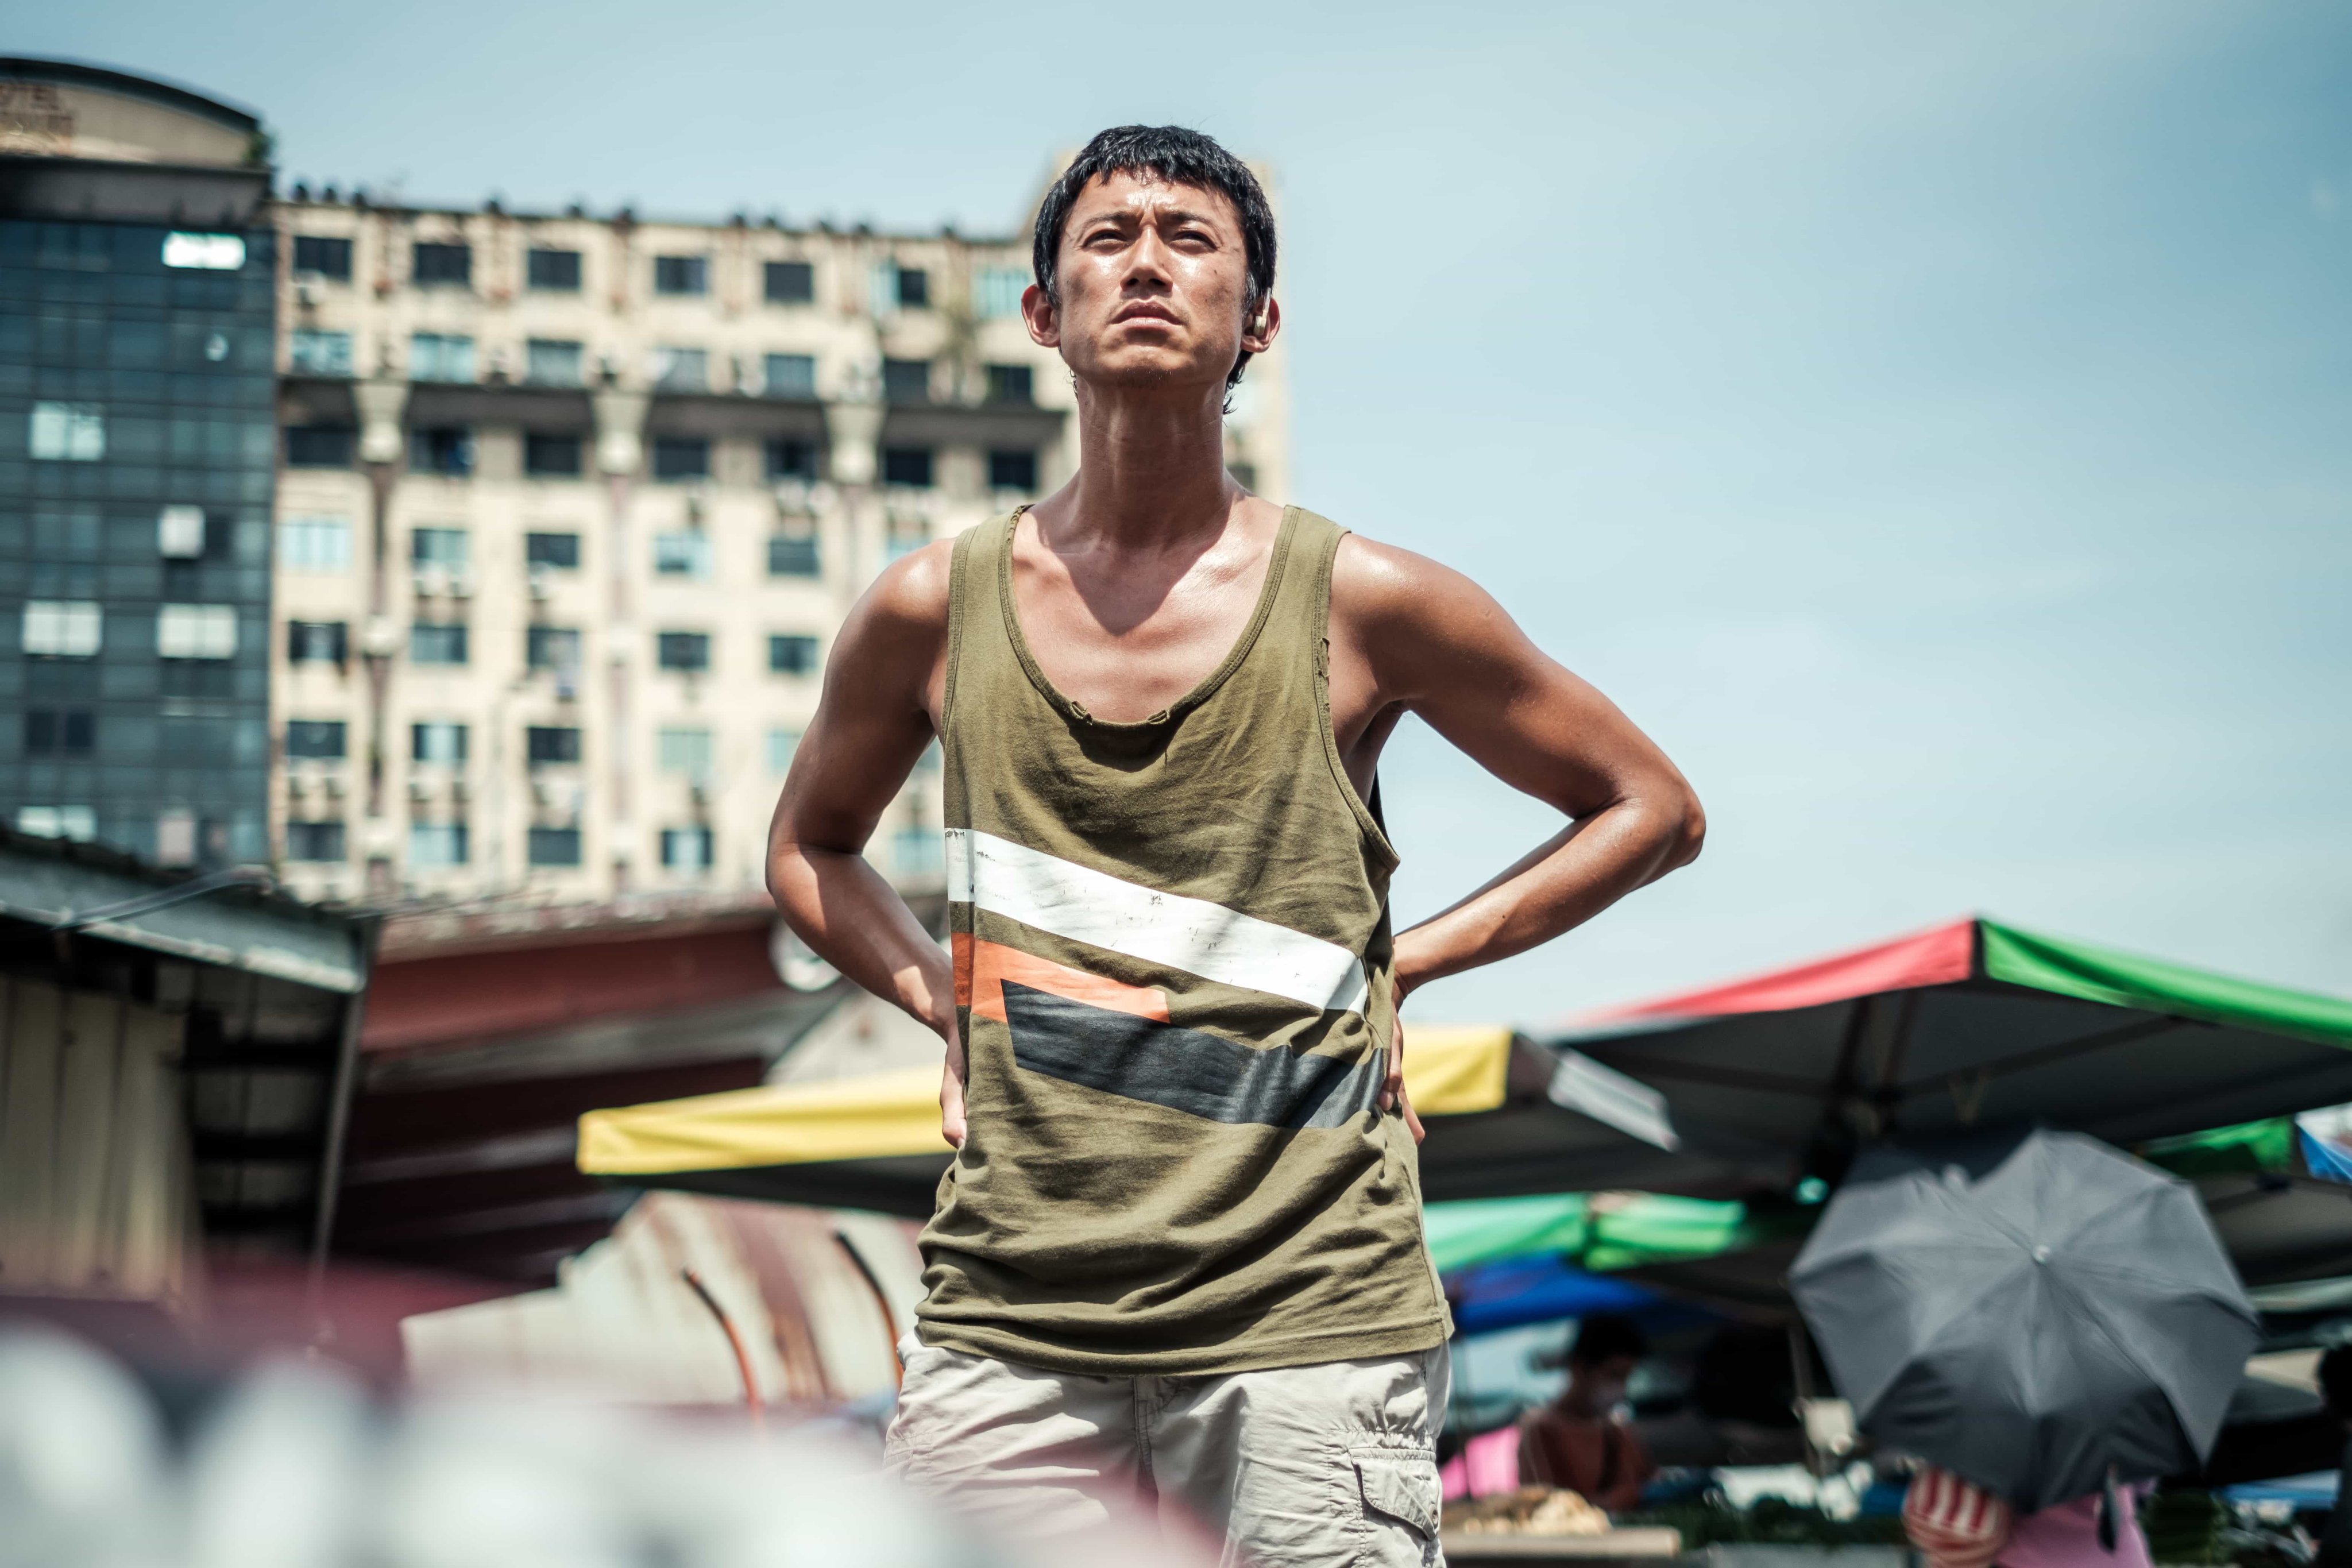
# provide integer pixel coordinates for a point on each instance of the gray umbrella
(2029, 1313)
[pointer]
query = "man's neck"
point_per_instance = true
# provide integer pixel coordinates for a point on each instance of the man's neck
(1151, 467)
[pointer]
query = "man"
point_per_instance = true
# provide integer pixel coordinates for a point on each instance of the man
(1577, 1441)
(1179, 1250)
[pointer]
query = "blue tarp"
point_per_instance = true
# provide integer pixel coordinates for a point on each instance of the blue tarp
(2324, 1159)
(2315, 1491)
(1543, 1289)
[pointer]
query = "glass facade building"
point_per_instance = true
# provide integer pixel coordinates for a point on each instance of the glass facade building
(137, 469)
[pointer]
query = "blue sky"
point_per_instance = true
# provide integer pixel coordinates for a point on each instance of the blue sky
(1933, 423)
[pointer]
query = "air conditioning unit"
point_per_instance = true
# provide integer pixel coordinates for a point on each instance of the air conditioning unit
(699, 791)
(306, 290)
(432, 580)
(461, 583)
(418, 790)
(459, 789)
(542, 583)
(567, 684)
(334, 786)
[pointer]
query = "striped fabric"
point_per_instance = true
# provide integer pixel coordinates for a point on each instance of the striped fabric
(1953, 1523)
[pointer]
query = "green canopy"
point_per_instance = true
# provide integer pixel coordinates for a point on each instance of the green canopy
(1600, 1231)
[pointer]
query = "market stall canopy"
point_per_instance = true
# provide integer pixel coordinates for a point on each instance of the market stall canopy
(1972, 1025)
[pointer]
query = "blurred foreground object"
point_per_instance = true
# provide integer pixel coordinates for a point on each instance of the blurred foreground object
(2033, 1313)
(294, 1468)
(818, 1297)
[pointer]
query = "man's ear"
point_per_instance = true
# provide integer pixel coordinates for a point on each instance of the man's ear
(1043, 321)
(1258, 332)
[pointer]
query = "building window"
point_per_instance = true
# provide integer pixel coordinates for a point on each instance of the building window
(681, 458)
(1012, 384)
(314, 841)
(557, 552)
(789, 375)
(550, 361)
(686, 849)
(320, 446)
(1012, 470)
(208, 252)
(791, 655)
(685, 751)
(436, 742)
(326, 257)
(442, 264)
(317, 642)
(446, 547)
(907, 380)
(685, 553)
(444, 450)
(782, 744)
(440, 356)
(310, 353)
(196, 631)
(682, 650)
(180, 532)
(55, 733)
(681, 275)
(996, 292)
(434, 642)
(791, 282)
(551, 745)
(436, 846)
(62, 628)
(551, 648)
(550, 455)
(789, 459)
(320, 739)
(557, 271)
(914, 289)
(907, 466)
(68, 432)
(555, 847)
(315, 545)
(682, 370)
(793, 555)
(77, 823)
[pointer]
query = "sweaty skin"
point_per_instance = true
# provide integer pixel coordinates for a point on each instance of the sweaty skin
(1136, 578)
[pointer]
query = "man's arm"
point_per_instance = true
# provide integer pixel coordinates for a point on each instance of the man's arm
(881, 688)
(1410, 635)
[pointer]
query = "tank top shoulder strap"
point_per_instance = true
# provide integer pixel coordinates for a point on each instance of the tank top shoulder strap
(973, 604)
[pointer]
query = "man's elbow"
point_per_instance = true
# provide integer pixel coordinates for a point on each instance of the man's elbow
(1686, 827)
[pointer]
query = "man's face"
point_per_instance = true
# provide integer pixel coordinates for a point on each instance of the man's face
(1154, 279)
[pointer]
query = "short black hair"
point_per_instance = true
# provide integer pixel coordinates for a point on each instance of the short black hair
(2336, 1382)
(1604, 1336)
(1181, 157)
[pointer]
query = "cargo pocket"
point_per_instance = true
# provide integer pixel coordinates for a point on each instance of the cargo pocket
(1399, 1486)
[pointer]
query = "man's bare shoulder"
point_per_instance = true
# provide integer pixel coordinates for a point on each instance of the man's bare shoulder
(912, 592)
(1378, 590)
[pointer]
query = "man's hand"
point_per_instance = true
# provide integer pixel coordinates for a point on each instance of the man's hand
(951, 1082)
(1393, 1094)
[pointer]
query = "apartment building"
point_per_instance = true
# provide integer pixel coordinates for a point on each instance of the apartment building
(570, 509)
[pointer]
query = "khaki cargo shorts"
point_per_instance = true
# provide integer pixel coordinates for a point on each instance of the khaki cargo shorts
(1332, 1465)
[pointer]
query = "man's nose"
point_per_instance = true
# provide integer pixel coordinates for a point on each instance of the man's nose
(1147, 262)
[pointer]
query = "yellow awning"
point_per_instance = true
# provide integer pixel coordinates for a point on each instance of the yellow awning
(1449, 1070)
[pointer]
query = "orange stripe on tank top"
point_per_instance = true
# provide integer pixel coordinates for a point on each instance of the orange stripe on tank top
(982, 968)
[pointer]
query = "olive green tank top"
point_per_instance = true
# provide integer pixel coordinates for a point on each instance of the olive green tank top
(1172, 974)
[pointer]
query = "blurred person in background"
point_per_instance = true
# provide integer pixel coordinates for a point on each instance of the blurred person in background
(1178, 1255)
(1579, 1441)
(2335, 1390)
(1957, 1524)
